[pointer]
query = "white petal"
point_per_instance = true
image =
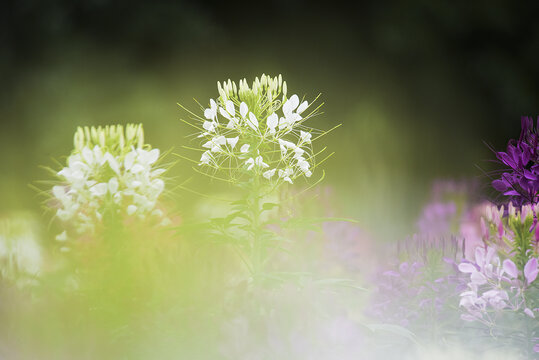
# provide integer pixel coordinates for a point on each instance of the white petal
(158, 185)
(208, 144)
(290, 105)
(230, 108)
(303, 165)
(58, 191)
(129, 160)
(112, 162)
(137, 168)
(298, 153)
(243, 109)
(153, 155)
(268, 174)
(283, 122)
(98, 155)
(250, 163)
(209, 126)
(205, 158)
(305, 136)
(63, 214)
(61, 237)
(99, 189)
(224, 113)
(304, 105)
(252, 122)
(232, 141)
(113, 185)
(272, 121)
(131, 209)
(259, 161)
(219, 140)
(88, 155)
(209, 114)
(245, 148)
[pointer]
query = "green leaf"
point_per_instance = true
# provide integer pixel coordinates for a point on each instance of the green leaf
(269, 206)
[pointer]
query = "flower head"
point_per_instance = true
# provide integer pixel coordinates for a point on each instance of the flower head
(495, 286)
(110, 172)
(520, 180)
(257, 131)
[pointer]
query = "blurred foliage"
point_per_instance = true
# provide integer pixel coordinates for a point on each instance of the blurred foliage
(417, 85)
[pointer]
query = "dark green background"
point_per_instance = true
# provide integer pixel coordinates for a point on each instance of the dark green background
(418, 85)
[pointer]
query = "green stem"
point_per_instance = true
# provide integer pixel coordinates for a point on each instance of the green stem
(257, 246)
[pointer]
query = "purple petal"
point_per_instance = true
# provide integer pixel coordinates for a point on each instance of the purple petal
(510, 268)
(529, 313)
(531, 270)
(529, 175)
(467, 268)
(391, 273)
(480, 256)
(478, 278)
(499, 185)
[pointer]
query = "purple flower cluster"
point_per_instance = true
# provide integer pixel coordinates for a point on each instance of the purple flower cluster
(404, 296)
(521, 179)
(419, 292)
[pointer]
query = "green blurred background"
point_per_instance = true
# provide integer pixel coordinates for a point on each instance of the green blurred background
(417, 85)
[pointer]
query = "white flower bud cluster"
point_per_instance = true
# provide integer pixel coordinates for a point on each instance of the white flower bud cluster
(107, 180)
(251, 130)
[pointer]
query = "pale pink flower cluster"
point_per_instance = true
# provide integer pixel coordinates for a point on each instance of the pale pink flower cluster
(495, 286)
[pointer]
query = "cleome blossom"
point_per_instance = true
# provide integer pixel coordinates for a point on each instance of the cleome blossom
(495, 286)
(257, 130)
(520, 178)
(110, 173)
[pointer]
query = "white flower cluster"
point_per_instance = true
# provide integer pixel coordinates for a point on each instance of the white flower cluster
(97, 183)
(251, 130)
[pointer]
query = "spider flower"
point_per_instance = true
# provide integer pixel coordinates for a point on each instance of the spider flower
(110, 173)
(496, 286)
(257, 131)
(512, 230)
(520, 180)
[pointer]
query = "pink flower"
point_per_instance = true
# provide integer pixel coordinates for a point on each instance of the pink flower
(510, 268)
(531, 270)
